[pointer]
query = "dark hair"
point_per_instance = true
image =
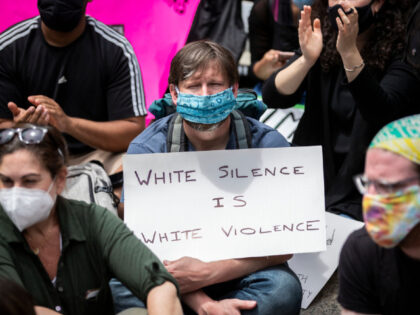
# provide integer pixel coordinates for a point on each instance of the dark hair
(15, 300)
(51, 151)
(386, 40)
(196, 56)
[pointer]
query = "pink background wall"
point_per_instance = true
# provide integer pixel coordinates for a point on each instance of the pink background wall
(157, 29)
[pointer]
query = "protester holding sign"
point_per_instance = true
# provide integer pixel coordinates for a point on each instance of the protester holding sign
(203, 83)
(379, 264)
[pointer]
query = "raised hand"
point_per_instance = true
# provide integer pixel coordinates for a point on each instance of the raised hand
(348, 29)
(310, 36)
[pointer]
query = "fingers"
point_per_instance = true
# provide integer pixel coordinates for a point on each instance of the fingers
(340, 24)
(285, 55)
(13, 108)
(36, 115)
(300, 28)
(24, 115)
(38, 100)
(343, 20)
(19, 114)
(34, 99)
(244, 304)
(347, 21)
(317, 25)
(271, 56)
(40, 116)
(307, 16)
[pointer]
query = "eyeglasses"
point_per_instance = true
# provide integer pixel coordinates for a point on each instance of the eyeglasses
(27, 135)
(381, 187)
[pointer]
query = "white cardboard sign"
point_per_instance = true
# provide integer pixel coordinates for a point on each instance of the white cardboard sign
(314, 269)
(225, 204)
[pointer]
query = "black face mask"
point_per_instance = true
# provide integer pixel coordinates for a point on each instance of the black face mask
(365, 19)
(61, 15)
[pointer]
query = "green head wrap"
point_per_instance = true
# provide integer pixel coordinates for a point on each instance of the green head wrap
(401, 137)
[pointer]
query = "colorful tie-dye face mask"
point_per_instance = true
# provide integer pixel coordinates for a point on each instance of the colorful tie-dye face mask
(389, 218)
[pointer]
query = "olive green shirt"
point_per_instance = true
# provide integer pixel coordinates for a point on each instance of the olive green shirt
(96, 245)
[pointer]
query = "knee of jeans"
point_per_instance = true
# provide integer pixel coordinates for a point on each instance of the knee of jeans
(280, 291)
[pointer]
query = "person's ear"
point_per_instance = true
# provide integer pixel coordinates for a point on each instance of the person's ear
(173, 92)
(61, 179)
(235, 88)
(377, 5)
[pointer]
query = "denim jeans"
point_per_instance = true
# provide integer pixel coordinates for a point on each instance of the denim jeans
(277, 291)
(123, 298)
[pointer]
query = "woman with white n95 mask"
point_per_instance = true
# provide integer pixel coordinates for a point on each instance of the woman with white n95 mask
(64, 252)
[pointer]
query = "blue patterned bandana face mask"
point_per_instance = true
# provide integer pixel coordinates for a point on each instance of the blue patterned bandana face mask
(205, 109)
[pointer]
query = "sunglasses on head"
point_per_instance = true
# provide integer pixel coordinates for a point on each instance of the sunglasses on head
(27, 135)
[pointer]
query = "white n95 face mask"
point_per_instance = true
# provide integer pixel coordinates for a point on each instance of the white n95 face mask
(25, 206)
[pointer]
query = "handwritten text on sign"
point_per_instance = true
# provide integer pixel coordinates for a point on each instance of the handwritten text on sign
(227, 204)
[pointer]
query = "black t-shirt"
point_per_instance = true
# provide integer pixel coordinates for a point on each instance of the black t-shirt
(376, 280)
(97, 77)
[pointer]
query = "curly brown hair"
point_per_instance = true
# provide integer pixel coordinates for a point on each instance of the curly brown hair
(385, 42)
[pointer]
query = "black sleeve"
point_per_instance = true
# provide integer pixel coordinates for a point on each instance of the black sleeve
(9, 90)
(395, 95)
(356, 271)
(125, 95)
(260, 30)
(273, 98)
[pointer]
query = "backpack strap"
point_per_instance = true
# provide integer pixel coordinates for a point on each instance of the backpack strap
(175, 139)
(242, 131)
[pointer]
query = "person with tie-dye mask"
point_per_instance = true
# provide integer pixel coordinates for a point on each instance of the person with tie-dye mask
(380, 263)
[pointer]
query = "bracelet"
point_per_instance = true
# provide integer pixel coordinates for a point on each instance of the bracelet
(354, 68)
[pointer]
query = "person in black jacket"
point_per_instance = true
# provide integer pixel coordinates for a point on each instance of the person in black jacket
(355, 81)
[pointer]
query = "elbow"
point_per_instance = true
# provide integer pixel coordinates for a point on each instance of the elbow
(274, 99)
